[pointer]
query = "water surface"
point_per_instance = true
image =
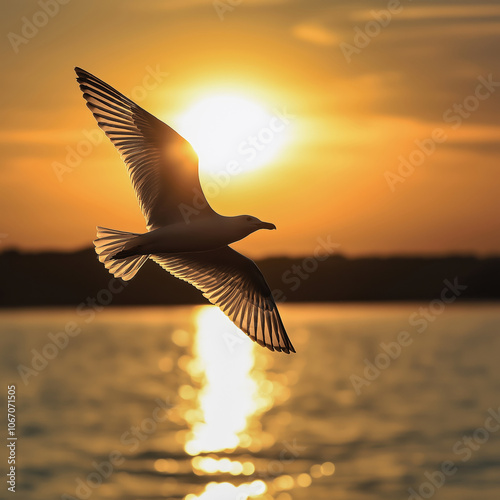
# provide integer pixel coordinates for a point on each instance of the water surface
(173, 403)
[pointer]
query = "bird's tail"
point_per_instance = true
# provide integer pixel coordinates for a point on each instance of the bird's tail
(108, 244)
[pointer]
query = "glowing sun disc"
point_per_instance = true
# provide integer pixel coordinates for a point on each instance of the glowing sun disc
(231, 132)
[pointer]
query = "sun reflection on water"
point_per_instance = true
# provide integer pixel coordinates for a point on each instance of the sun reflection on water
(231, 384)
(227, 491)
(229, 396)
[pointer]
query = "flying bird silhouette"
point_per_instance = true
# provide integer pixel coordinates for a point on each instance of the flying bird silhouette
(184, 236)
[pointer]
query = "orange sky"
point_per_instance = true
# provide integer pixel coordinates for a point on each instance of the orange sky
(353, 120)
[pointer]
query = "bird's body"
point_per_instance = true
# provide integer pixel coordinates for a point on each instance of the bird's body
(202, 234)
(185, 235)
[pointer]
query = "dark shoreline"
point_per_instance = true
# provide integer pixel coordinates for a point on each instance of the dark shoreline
(67, 279)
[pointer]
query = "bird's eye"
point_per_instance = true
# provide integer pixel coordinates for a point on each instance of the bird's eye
(249, 219)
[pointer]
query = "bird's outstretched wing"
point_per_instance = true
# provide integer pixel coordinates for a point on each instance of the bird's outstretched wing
(162, 165)
(235, 284)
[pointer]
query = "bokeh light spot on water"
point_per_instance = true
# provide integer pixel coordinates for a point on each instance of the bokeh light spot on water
(183, 362)
(327, 469)
(304, 480)
(316, 471)
(236, 468)
(245, 440)
(187, 392)
(248, 468)
(283, 482)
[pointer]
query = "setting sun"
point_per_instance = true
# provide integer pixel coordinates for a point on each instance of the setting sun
(231, 131)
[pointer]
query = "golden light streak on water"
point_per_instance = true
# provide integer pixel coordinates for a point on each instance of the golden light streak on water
(227, 491)
(231, 386)
(230, 395)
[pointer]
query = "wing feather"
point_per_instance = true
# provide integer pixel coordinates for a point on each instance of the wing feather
(235, 284)
(162, 165)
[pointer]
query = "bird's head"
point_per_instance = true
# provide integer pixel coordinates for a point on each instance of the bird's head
(251, 224)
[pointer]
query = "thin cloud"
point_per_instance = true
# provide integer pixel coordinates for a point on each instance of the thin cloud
(315, 33)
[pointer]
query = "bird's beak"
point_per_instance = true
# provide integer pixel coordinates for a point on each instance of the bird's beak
(267, 225)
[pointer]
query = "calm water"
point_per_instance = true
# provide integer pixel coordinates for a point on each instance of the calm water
(172, 403)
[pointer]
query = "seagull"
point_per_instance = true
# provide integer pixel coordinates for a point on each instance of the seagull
(185, 236)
